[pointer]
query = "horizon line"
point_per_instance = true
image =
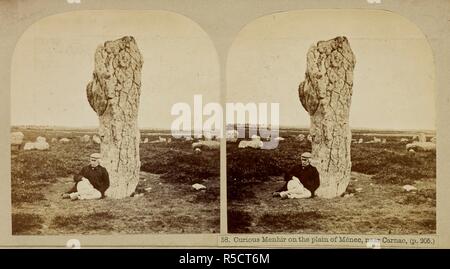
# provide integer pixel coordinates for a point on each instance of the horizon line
(300, 127)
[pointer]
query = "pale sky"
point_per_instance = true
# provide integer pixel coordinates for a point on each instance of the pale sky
(54, 60)
(393, 77)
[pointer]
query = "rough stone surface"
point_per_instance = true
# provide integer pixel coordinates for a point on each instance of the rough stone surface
(114, 94)
(326, 96)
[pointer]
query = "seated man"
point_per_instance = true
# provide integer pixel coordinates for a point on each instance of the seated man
(91, 182)
(301, 180)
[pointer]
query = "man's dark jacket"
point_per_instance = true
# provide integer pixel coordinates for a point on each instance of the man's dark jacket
(97, 176)
(308, 176)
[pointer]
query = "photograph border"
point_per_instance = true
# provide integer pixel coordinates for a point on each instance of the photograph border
(222, 21)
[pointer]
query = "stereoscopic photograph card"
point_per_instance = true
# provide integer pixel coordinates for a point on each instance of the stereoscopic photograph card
(225, 124)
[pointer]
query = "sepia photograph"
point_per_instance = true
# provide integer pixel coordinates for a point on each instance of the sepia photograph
(197, 124)
(355, 139)
(92, 151)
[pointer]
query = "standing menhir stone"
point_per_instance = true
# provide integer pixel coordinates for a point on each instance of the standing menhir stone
(114, 94)
(326, 95)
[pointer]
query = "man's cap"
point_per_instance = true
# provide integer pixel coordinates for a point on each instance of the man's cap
(96, 156)
(306, 155)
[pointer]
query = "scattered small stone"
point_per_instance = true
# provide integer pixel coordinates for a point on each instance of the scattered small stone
(41, 139)
(148, 189)
(255, 143)
(40, 144)
(358, 189)
(232, 135)
(17, 138)
(198, 187)
(421, 146)
(409, 188)
(208, 144)
(96, 139)
(28, 146)
(300, 137)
